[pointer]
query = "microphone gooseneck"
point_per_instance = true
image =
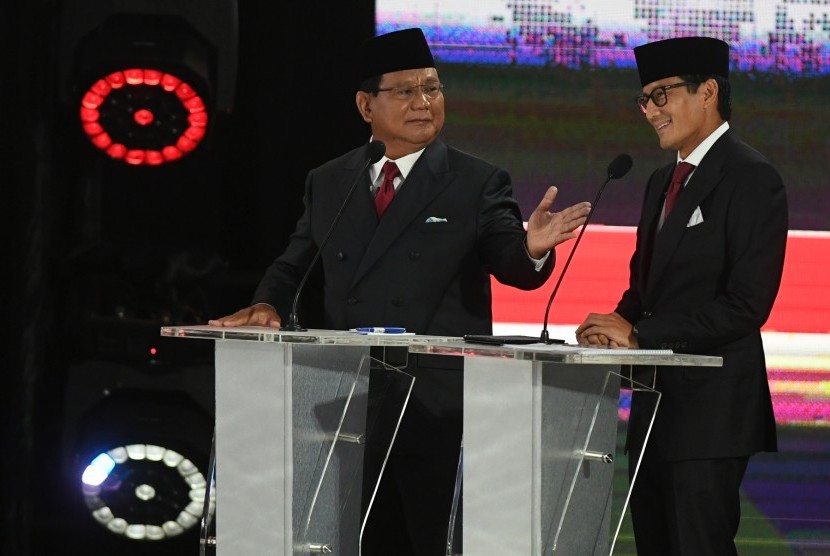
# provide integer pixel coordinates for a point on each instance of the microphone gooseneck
(618, 168)
(374, 152)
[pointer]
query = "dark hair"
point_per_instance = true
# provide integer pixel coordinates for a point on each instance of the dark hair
(371, 84)
(724, 91)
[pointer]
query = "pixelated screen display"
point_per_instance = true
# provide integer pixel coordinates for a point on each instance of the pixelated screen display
(545, 89)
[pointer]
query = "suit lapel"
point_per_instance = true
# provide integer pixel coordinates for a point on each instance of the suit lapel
(360, 211)
(706, 177)
(428, 178)
(651, 217)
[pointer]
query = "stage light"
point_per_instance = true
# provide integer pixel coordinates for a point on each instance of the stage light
(137, 461)
(143, 116)
(98, 470)
(145, 492)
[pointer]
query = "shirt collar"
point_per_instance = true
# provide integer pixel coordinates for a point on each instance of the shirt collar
(404, 163)
(696, 156)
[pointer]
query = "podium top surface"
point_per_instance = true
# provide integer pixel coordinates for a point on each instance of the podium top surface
(447, 345)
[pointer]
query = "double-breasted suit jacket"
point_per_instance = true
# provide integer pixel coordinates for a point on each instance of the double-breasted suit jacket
(426, 265)
(706, 285)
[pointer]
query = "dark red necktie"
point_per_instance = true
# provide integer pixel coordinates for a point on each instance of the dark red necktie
(678, 177)
(387, 189)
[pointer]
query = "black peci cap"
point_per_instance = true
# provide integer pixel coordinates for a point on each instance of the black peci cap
(395, 51)
(682, 56)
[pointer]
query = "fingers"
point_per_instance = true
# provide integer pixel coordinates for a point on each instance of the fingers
(238, 318)
(547, 199)
(594, 335)
(603, 336)
(264, 315)
(541, 213)
(589, 321)
(603, 330)
(546, 230)
(579, 209)
(256, 315)
(569, 219)
(575, 216)
(593, 340)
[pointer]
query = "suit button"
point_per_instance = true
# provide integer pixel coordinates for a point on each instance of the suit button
(414, 255)
(341, 256)
(646, 314)
(396, 302)
(351, 301)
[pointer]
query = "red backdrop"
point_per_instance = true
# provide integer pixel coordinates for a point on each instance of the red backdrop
(598, 274)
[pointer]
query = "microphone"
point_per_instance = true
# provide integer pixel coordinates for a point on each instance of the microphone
(617, 169)
(374, 152)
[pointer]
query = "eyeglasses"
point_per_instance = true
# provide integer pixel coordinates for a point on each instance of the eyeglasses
(407, 93)
(658, 96)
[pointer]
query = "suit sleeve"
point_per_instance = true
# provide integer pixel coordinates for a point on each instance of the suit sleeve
(502, 236)
(755, 240)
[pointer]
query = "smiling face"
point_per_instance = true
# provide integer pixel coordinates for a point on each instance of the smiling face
(687, 118)
(404, 125)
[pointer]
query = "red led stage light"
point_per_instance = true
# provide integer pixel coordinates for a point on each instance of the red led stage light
(143, 116)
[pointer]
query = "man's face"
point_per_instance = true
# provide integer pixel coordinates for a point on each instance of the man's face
(404, 124)
(681, 123)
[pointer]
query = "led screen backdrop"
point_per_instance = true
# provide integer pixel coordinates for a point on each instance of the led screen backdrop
(545, 88)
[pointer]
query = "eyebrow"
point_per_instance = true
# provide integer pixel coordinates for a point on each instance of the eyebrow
(430, 81)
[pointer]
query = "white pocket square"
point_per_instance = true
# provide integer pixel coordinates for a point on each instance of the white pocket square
(697, 218)
(434, 219)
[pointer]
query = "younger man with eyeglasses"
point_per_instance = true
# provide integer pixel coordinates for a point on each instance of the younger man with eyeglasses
(704, 276)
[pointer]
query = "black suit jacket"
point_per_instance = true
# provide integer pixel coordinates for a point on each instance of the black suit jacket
(708, 289)
(426, 265)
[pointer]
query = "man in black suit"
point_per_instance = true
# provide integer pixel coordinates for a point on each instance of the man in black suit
(704, 276)
(422, 262)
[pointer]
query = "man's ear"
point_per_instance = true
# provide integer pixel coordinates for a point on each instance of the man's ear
(364, 105)
(710, 92)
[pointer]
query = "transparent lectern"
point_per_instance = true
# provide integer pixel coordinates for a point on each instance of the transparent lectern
(540, 436)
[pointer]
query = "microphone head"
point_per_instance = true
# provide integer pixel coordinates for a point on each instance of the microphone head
(619, 166)
(375, 151)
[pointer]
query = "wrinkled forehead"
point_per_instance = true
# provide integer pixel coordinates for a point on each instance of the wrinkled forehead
(409, 76)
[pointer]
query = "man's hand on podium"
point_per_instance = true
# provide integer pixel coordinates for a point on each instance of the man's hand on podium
(260, 314)
(609, 329)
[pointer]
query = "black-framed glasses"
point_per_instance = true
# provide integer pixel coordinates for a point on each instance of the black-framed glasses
(658, 96)
(408, 92)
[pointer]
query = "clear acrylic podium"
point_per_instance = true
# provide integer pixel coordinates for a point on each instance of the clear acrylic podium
(540, 436)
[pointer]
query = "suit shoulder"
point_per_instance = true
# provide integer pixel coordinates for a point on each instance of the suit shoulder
(743, 165)
(747, 161)
(338, 163)
(741, 156)
(746, 154)
(457, 156)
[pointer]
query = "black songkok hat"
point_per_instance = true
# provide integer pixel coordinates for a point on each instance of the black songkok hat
(682, 56)
(395, 51)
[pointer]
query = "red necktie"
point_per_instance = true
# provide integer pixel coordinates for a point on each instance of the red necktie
(681, 172)
(387, 188)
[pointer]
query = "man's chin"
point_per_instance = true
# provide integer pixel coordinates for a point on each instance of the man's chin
(667, 144)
